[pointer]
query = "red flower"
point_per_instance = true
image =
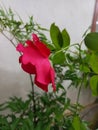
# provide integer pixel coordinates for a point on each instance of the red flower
(34, 60)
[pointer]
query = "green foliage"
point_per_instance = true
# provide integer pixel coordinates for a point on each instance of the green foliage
(19, 30)
(48, 114)
(77, 124)
(71, 62)
(91, 41)
(75, 66)
(59, 39)
(56, 36)
(94, 62)
(58, 58)
(66, 38)
(94, 84)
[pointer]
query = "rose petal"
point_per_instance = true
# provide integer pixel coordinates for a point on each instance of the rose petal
(20, 47)
(34, 60)
(42, 47)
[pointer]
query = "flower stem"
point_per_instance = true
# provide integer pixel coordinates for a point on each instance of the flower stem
(33, 98)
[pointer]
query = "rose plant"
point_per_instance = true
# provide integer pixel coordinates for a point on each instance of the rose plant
(51, 62)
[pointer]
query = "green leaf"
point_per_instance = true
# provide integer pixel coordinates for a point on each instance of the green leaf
(58, 58)
(56, 36)
(66, 38)
(91, 41)
(4, 124)
(15, 124)
(84, 126)
(29, 123)
(76, 123)
(84, 68)
(94, 62)
(59, 86)
(39, 126)
(94, 85)
(51, 47)
(47, 126)
(58, 114)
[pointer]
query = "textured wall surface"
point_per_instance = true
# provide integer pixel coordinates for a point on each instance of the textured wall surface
(74, 15)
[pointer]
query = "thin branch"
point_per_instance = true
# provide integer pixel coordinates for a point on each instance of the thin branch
(79, 91)
(8, 39)
(33, 97)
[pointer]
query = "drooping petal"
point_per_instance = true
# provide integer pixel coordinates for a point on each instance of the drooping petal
(29, 68)
(44, 76)
(40, 85)
(20, 59)
(42, 72)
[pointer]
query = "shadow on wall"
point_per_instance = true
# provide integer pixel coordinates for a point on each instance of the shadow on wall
(85, 95)
(13, 84)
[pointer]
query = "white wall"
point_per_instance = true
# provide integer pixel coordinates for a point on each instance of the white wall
(74, 15)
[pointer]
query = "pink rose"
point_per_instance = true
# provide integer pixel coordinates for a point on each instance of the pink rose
(34, 60)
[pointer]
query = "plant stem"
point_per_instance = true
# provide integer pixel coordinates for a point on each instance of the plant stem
(33, 98)
(82, 75)
(32, 84)
(8, 39)
(65, 48)
(79, 91)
